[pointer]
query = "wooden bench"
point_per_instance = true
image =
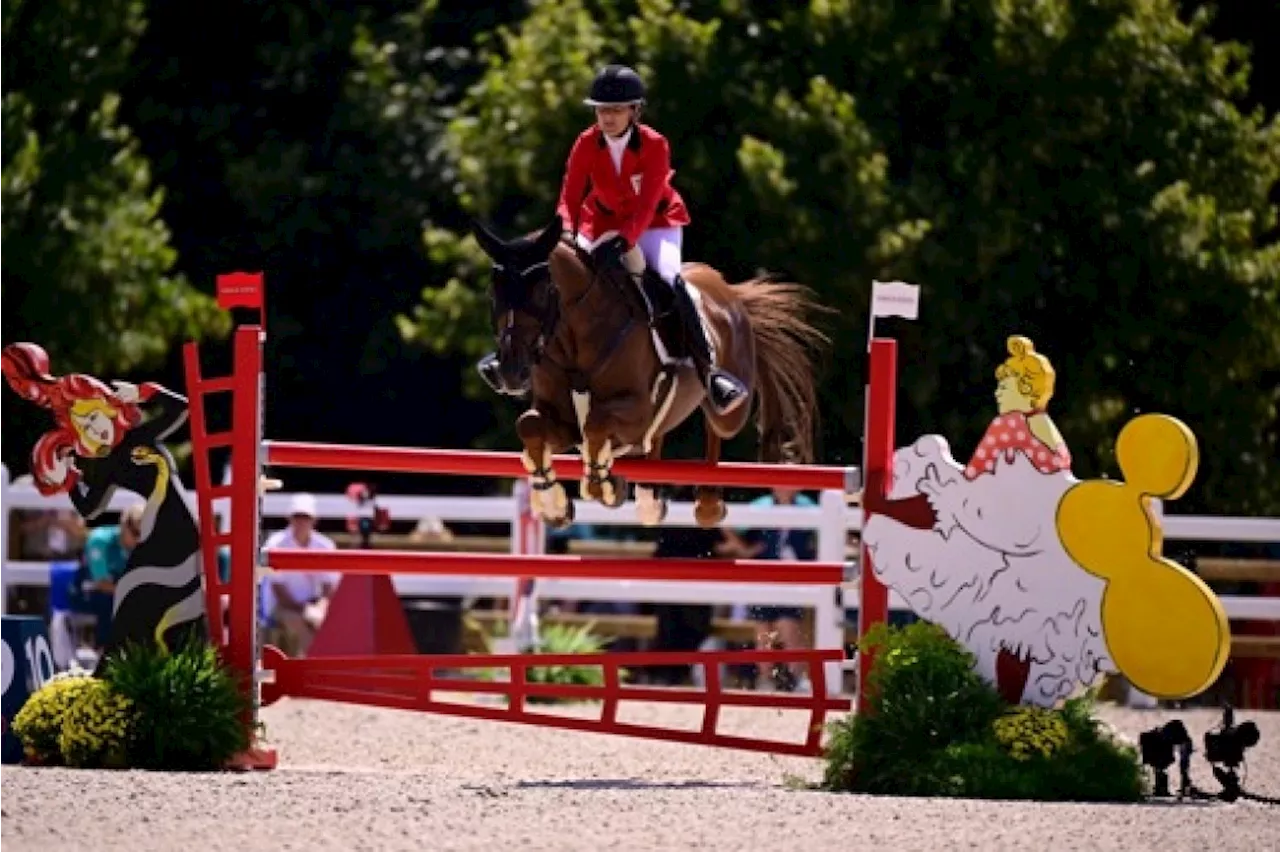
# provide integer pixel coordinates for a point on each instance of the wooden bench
(1256, 647)
(1217, 570)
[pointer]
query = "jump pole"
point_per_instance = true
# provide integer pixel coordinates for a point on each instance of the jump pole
(877, 463)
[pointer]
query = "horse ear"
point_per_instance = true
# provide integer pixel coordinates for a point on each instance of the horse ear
(550, 235)
(488, 241)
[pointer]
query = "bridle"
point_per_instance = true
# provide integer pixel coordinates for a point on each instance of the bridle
(548, 319)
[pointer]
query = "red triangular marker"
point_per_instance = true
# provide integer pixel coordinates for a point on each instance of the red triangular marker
(365, 617)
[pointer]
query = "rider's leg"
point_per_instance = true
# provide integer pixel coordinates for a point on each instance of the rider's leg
(662, 250)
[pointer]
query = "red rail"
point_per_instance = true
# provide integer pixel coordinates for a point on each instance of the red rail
(483, 463)
(411, 683)
(791, 572)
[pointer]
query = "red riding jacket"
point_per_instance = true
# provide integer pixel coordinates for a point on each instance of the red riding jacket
(596, 199)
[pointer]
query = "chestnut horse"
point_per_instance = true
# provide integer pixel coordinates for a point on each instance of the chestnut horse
(581, 341)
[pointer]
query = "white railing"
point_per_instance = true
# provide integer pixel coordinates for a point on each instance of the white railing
(832, 519)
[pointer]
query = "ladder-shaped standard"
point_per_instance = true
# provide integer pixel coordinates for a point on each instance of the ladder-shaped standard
(231, 604)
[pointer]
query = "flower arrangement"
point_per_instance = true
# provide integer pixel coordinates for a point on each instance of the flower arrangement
(97, 728)
(39, 723)
(1026, 731)
(936, 728)
(151, 709)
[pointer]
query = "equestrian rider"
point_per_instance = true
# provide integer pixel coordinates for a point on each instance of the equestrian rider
(618, 197)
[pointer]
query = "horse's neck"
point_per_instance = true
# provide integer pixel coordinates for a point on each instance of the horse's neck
(592, 320)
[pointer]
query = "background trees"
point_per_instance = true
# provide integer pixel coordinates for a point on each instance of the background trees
(1096, 174)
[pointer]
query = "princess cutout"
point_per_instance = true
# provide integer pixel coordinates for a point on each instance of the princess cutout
(100, 443)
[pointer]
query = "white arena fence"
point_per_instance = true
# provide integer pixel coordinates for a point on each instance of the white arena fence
(832, 520)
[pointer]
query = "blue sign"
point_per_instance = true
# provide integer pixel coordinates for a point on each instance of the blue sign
(28, 665)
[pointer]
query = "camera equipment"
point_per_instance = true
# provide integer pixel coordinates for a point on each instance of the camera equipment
(1225, 748)
(1158, 746)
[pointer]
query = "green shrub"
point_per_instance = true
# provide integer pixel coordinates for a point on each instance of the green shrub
(563, 639)
(190, 710)
(935, 728)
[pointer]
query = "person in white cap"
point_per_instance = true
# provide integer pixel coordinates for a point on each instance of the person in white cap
(293, 603)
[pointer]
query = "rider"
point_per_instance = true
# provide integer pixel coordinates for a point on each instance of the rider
(618, 199)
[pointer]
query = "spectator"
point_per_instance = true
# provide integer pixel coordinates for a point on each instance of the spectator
(48, 534)
(683, 627)
(294, 602)
(777, 626)
(106, 555)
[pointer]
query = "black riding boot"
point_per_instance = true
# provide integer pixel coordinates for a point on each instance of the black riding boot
(725, 390)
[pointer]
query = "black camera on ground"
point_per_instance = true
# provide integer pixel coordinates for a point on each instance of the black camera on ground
(1225, 748)
(1228, 744)
(1160, 746)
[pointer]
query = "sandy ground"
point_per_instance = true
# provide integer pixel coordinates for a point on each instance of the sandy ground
(354, 778)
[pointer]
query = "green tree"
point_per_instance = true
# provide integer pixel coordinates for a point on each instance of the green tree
(87, 258)
(1080, 172)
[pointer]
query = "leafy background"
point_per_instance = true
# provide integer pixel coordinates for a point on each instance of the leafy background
(1097, 174)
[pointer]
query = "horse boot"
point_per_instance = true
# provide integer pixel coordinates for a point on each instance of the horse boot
(725, 390)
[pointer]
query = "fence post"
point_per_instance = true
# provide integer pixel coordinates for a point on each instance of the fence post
(5, 509)
(828, 614)
(878, 446)
(527, 536)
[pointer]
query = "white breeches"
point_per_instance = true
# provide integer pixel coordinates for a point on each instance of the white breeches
(658, 248)
(661, 250)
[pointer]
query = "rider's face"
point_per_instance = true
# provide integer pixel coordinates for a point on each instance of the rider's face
(613, 120)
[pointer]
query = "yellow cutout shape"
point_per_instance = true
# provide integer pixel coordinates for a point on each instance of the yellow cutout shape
(1165, 629)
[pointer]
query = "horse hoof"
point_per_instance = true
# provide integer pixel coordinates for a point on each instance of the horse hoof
(709, 513)
(614, 492)
(650, 510)
(565, 520)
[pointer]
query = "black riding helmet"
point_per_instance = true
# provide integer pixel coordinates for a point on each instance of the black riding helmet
(616, 85)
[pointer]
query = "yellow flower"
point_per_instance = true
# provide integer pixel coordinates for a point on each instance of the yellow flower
(39, 723)
(95, 730)
(1028, 731)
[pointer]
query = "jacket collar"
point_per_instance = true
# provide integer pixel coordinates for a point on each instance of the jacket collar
(633, 143)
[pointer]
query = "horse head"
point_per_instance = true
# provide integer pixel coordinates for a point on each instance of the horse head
(523, 301)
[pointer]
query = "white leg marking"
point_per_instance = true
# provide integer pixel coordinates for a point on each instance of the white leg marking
(648, 506)
(662, 412)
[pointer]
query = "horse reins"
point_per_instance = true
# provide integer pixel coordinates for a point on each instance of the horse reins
(549, 320)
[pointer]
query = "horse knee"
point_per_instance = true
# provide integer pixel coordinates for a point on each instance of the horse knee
(531, 425)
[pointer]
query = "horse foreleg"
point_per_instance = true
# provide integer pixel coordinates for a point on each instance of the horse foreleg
(651, 503)
(598, 481)
(710, 510)
(547, 497)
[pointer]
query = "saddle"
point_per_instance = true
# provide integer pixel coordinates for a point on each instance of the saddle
(653, 299)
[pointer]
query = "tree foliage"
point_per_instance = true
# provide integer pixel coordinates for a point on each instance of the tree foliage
(1081, 172)
(88, 263)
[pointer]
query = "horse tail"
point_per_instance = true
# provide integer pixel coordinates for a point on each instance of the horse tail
(785, 343)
